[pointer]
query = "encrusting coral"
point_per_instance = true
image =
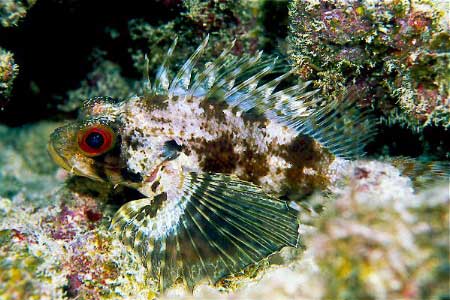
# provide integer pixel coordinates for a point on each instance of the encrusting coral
(391, 55)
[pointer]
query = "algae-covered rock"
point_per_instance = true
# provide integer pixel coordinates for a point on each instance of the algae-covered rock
(29, 260)
(104, 80)
(392, 55)
(376, 240)
(12, 11)
(64, 250)
(8, 72)
(225, 21)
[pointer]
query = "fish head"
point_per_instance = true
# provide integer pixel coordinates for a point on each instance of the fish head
(101, 145)
(91, 145)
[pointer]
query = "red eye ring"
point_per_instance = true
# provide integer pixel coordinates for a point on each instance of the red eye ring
(96, 140)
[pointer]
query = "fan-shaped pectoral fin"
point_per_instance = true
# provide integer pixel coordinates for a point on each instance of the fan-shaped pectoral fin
(217, 226)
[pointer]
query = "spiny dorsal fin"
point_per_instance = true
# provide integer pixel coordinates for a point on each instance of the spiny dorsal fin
(181, 82)
(341, 128)
(162, 81)
(223, 225)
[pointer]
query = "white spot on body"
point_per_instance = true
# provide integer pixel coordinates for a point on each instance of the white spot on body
(274, 180)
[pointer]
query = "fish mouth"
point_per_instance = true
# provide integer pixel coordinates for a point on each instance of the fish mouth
(61, 161)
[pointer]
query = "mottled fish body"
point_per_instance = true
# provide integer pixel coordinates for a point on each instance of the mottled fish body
(223, 140)
(213, 151)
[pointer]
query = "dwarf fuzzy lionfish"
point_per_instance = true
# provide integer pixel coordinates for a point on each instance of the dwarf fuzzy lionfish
(213, 150)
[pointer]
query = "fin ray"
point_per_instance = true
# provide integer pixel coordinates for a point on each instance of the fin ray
(162, 81)
(229, 235)
(250, 221)
(225, 225)
(183, 77)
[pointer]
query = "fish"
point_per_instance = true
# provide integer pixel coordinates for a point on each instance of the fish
(210, 149)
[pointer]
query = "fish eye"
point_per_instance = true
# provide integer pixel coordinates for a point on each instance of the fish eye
(95, 140)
